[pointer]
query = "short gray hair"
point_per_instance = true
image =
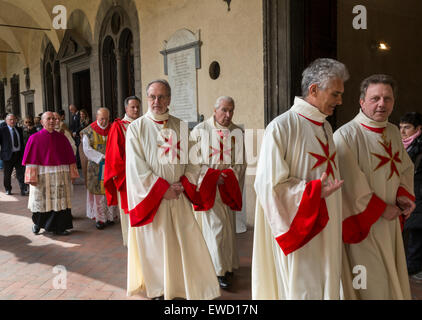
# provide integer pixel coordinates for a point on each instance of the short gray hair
(163, 82)
(375, 79)
(131, 98)
(321, 72)
(226, 98)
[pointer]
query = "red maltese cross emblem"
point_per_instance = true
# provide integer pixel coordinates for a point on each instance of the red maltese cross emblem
(326, 158)
(390, 158)
(170, 148)
(220, 152)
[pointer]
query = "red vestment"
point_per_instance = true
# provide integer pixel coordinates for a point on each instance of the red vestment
(115, 165)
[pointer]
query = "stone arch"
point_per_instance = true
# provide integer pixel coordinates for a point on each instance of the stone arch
(50, 67)
(129, 21)
(109, 75)
(128, 71)
(78, 22)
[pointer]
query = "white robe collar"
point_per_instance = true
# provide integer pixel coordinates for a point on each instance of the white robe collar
(307, 110)
(127, 118)
(363, 119)
(216, 125)
(158, 117)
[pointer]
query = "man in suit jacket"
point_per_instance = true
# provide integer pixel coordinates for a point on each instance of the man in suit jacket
(12, 147)
(75, 128)
(75, 120)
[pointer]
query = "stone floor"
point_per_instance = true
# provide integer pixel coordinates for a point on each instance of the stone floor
(94, 261)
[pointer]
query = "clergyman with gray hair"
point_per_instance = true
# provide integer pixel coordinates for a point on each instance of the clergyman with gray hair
(167, 254)
(297, 248)
(219, 174)
(94, 141)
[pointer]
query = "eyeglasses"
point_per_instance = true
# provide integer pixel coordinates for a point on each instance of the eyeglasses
(153, 98)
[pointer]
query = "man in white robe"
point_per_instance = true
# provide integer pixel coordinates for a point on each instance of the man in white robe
(94, 140)
(167, 254)
(297, 239)
(220, 149)
(115, 164)
(377, 193)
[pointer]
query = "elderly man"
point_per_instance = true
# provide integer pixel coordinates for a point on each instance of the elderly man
(219, 175)
(378, 190)
(94, 147)
(167, 254)
(12, 147)
(115, 164)
(50, 168)
(297, 242)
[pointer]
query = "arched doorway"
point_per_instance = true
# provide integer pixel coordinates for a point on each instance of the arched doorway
(110, 76)
(117, 61)
(126, 50)
(52, 86)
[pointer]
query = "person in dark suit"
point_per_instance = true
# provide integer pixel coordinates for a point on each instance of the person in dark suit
(12, 148)
(75, 128)
(75, 120)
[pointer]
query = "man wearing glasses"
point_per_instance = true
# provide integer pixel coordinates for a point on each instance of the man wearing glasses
(167, 254)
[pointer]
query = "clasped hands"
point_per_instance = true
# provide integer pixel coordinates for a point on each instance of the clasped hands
(404, 206)
(174, 191)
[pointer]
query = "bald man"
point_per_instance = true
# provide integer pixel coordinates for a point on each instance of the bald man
(50, 170)
(94, 140)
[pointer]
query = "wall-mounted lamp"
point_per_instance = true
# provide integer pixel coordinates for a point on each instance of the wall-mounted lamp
(228, 4)
(381, 46)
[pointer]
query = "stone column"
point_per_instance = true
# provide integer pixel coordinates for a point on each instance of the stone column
(119, 62)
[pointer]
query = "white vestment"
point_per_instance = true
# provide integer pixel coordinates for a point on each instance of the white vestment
(297, 240)
(376, 169)
(218, 225)
(167, 254)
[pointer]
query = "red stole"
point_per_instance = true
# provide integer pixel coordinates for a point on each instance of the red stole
(100, 131)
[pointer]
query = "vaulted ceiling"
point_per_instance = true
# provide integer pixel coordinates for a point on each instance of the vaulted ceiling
(17, 41)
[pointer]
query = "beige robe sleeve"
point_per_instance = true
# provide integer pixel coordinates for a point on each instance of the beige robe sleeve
(282, 196)
(145, 189)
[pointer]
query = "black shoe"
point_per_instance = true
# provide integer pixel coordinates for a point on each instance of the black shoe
(9, 192)
(158, 298)
(100, 225)
(229, 275)
(23, 193)
(222, 281)
(35, 229)
(62, 233)
(109, 223)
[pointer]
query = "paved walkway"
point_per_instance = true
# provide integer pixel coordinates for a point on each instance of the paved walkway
(95, 261)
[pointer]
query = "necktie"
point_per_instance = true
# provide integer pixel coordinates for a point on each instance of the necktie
(15, 138)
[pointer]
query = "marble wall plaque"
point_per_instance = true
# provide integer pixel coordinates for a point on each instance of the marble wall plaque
(181, 59)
